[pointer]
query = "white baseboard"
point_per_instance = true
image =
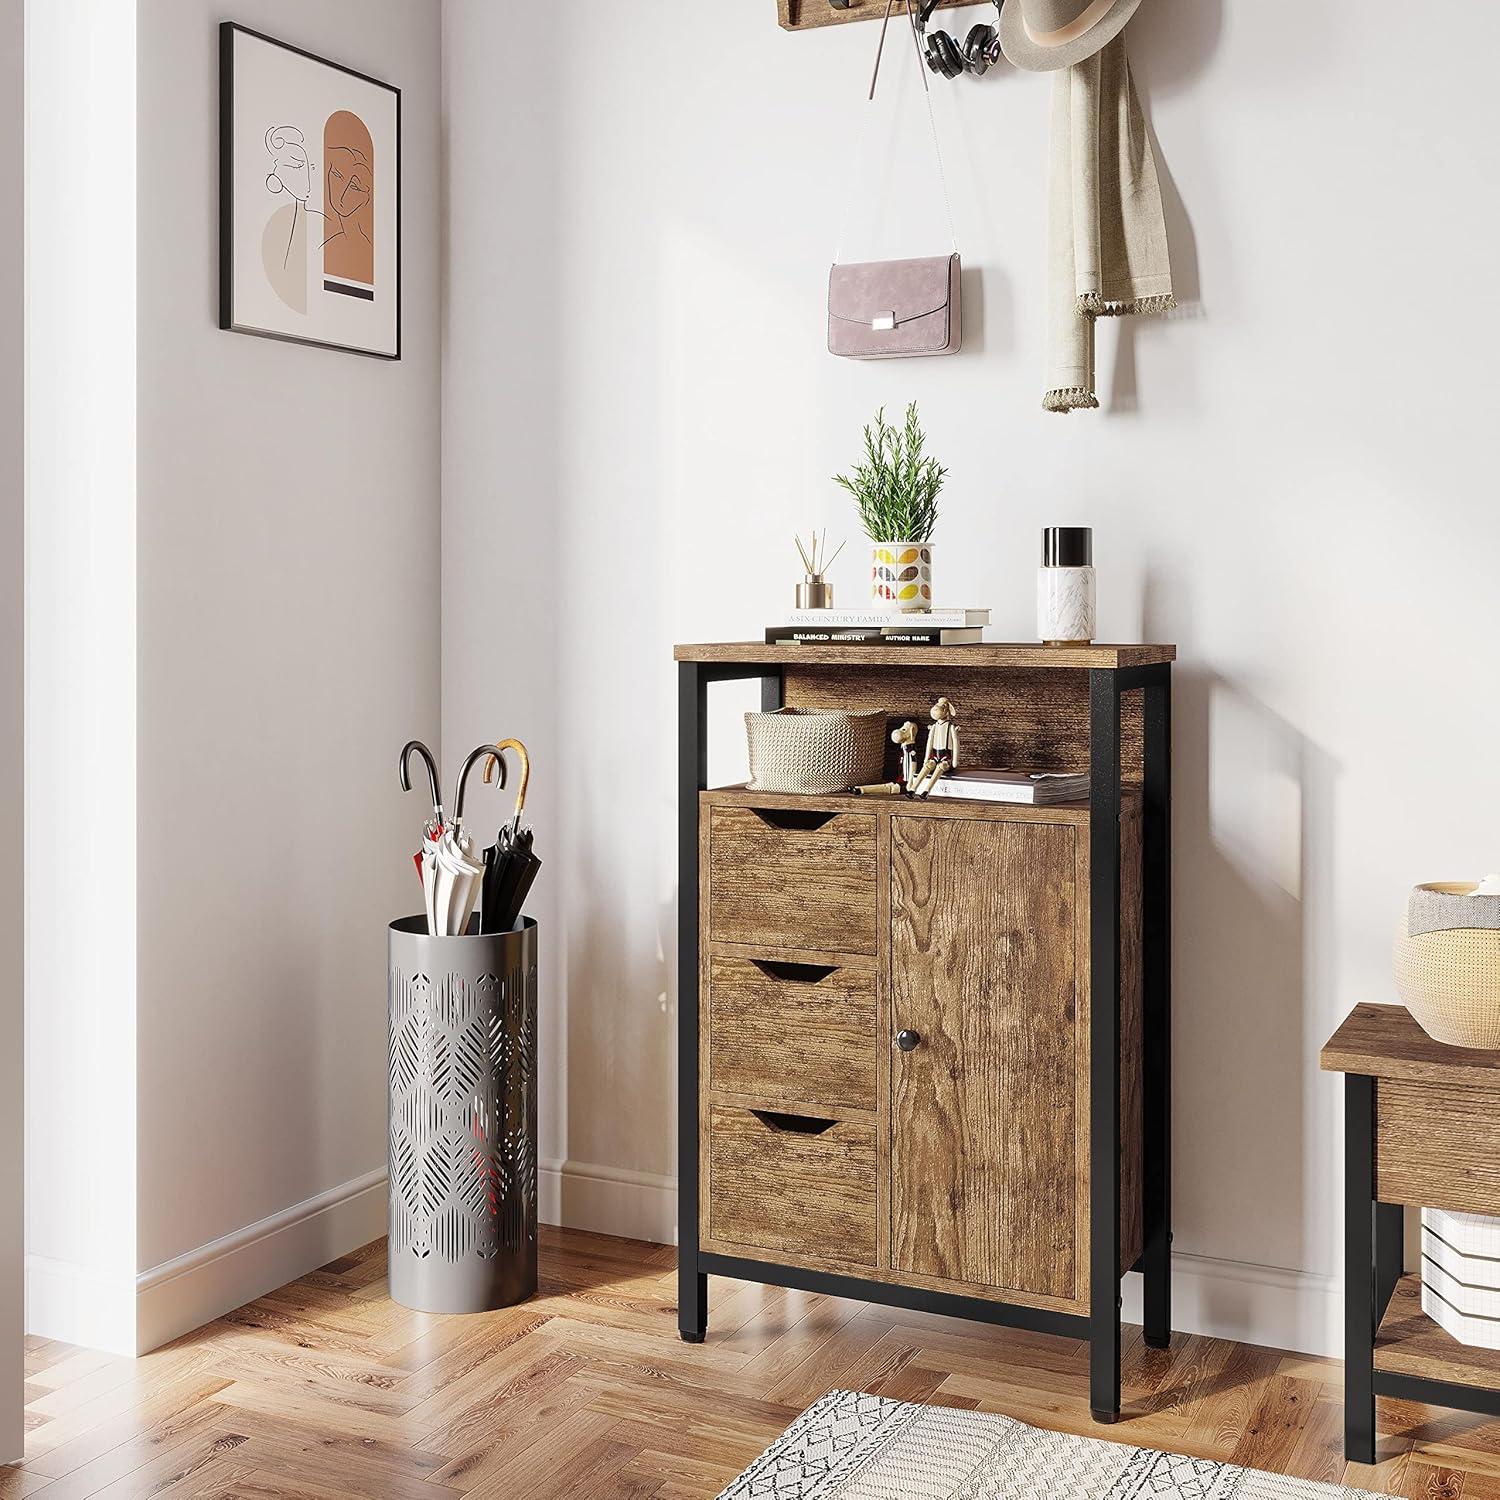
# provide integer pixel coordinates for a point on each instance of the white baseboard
(1267, 1305)
(80, 1305)
(608, 1200)
(192, 1289)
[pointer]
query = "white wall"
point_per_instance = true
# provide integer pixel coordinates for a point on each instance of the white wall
(288, 624)
(235, 627)
(80, 671)
(1292, 481)
(12, 742)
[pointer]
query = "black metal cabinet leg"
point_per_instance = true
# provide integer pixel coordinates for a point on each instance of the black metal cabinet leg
(1156, 1062)
(692, 776)
(1359, 1269)
(1104, 1053)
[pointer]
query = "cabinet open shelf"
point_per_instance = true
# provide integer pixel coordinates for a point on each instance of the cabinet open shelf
(1410, 1343)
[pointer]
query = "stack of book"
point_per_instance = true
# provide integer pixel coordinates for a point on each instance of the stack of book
(1034, 788)
(881, 627)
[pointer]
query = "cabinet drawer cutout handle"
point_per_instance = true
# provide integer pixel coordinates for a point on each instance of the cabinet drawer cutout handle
(794, 819)
(792, 1124)
(777, 968)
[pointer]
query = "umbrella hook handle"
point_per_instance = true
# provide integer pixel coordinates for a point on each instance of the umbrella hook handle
(434, 785)
(525, 759)
(470, 760)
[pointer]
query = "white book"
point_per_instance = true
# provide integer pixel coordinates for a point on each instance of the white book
(1028, 788)
(889, 619)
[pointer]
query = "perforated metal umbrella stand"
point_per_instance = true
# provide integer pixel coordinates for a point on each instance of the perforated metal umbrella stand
(462, 1117)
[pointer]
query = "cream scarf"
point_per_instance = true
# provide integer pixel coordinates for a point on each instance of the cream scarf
(1107, 235)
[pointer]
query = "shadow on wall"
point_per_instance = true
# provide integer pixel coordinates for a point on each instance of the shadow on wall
(1171, 43)
(1253, 814)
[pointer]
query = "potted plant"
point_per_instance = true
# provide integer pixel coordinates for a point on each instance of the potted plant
(896, 491)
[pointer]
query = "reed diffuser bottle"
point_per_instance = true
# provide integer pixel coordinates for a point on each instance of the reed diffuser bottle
(1065, 587)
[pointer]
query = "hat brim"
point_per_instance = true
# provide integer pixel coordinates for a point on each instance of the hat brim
(1022, 52)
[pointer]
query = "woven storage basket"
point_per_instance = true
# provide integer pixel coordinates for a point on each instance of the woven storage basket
(1450, 980)
(814, 750)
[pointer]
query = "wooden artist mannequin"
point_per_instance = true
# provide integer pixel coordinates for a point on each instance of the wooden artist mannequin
(942, 749)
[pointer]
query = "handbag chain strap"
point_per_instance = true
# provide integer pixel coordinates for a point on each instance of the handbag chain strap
(937, 149)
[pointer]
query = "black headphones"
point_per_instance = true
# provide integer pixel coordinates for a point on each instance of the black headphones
(944, 56)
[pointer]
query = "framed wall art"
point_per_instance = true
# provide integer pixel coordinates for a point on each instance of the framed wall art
(309, 198)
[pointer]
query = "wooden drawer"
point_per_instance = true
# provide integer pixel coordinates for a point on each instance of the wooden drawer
(1437, 1145)
(801, 1032)
(789, 878)
(791, 1185)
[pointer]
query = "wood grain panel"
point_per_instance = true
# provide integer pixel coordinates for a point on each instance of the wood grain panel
(1033, 718)
(799, 1038)
(810, 888)
(804, 15)
(1410, 1343)
(982, 1133)
(779, 1189)
(1437, 1146)
(960, 658)
(1384, 1041)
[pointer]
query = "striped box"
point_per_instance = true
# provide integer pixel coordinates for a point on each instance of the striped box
(1461, 1275)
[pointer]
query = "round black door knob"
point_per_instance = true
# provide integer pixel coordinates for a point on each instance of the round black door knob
(907, 1040)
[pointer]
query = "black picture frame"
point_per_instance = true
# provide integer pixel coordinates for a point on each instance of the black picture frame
(227, 33)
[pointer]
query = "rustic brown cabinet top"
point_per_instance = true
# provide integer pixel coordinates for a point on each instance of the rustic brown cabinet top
(983, 655)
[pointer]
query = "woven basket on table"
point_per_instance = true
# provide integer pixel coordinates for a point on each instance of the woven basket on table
(814, 750)
(1448, 976)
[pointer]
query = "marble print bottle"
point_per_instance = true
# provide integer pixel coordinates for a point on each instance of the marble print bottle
(1065, 586)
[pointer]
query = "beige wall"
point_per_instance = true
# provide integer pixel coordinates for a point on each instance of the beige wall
(1292, 481)
(288, 625)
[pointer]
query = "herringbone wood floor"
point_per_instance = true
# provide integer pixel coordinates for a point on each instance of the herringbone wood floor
(327, 1388)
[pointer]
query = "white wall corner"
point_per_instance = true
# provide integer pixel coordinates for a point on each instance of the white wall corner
(193, 1289)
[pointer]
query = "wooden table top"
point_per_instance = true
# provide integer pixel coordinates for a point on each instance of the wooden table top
(985, 654)
(1383, 1041)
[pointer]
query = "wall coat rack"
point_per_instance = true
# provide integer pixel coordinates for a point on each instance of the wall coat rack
(804, 15)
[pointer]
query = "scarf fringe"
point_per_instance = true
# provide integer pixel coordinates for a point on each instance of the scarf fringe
(1070, 398)
(1093, 305)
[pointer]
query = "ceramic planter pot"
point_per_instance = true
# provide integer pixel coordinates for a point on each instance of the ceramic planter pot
(901, 575)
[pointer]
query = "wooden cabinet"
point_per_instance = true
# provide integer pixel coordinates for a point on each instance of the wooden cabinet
(911, 1098)
(924, 1046)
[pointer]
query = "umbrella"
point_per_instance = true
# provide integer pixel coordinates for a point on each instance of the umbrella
(455, 873)
(433, 827)
(510, 867)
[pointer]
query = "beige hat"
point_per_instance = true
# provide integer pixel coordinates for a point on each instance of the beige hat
(1043, 35)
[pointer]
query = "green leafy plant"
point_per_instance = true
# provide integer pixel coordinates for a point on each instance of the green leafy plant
(896, 488)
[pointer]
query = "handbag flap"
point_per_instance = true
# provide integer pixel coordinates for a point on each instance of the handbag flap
(888, 293)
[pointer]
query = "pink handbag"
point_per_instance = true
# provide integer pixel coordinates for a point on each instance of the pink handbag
(898, 309)
(895, 309)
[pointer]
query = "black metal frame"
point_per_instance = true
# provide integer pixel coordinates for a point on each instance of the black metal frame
(1102, 1324)
(1373, 1249)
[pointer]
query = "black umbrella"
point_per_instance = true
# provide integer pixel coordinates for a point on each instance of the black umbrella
(510, 866)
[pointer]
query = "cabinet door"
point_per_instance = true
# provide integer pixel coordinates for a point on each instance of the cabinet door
(983, 1156)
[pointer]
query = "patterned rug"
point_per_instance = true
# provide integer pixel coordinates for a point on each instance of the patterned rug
(856, 1447)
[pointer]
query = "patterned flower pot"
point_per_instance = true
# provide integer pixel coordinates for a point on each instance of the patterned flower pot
(901, 575)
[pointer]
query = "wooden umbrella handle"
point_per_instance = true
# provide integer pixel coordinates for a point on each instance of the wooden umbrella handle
(523, 757)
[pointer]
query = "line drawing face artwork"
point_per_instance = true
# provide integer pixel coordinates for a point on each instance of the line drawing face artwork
(349, 203)
(289, 173)
(309, 198)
